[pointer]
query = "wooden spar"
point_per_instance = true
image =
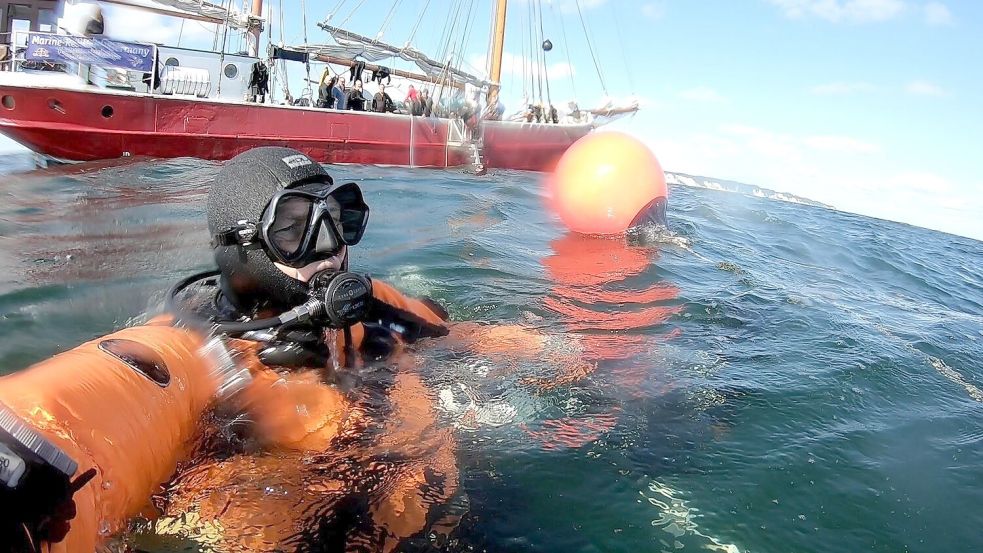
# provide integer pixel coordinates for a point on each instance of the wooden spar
(498, 46)
(256, 31)
(172, 13)
(394, 72)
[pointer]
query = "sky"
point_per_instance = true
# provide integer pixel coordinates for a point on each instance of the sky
(871, 106)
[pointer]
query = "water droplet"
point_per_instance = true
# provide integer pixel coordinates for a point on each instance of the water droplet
(107, 484)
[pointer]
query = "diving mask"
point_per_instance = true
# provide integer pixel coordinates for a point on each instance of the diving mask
(305, 224)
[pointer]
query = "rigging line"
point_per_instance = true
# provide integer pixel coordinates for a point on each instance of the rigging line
(537, 75)
(466, 35)
(624, 52)
(542, 36)
(445, 40)
(590, 46)
(527, 86)
(388, 19)
(303, 12)
(522, 54)
(355, 9)
(446, 53)
(566, 50)
(417, 25)
(180, 33)
(334, 11)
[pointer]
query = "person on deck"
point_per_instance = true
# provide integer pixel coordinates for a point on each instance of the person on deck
(355, 101)
(412, 102)
(338, 92)
(426, 103)
(383, 103)
(325, 98)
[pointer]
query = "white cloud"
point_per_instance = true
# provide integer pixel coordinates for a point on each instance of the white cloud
(654, 10)
(570, 6)
(843, 144)
(841, 88)
(125, 23)
(845, 11)
(924, 88)
(702, 94)
(517, 66)
(836, 170)
(937, 14)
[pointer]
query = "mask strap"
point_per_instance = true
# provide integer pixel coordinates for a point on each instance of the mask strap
(243, 234)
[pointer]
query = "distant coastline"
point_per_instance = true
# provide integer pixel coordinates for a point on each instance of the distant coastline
(723, 185)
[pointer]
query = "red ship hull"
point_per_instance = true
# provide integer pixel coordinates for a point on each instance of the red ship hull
(88, 124)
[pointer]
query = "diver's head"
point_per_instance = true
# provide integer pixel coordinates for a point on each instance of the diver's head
(277, 219)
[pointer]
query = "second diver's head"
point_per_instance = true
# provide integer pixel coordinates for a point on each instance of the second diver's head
(277, 219)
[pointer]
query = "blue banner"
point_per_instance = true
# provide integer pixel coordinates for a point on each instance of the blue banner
(101, 52)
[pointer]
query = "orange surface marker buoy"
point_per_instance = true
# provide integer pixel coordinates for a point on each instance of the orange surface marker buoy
(603, 181)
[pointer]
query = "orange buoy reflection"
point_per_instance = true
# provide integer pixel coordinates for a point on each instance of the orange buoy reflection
(611, 318)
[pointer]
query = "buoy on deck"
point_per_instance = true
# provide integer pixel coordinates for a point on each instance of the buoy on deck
(604, 182)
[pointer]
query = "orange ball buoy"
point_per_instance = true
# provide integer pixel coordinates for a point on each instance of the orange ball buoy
(603, 181)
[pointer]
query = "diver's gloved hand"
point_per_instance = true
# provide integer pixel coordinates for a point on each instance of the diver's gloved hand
(36, 498)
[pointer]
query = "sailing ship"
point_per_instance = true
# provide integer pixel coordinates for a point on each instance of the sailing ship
(80, 96)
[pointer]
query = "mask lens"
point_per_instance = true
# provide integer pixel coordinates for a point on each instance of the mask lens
(353, 213)
(290, 222)
(326, 243)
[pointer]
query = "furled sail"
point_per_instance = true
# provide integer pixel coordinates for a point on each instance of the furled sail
(207, 11)
(349, 46)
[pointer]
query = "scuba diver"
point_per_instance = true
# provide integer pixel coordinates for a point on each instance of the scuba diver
(281, 229)
(352, 446)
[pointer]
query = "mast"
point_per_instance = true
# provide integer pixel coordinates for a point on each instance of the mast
(255, 31)
(498, 46)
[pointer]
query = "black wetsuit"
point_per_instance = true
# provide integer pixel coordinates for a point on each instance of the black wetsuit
(382, 103)
(356, 101)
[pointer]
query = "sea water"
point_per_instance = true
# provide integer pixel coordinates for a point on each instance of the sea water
(770, 376)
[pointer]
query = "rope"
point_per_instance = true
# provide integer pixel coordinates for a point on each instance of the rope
(337, 7)
(542, 38)
(307, 64)
(566, 50)
(417, 25)
(446, 39)
(624, 52)
(537, 83)
(466, 34)
(355, 9)
(590, 46)
(388, 19)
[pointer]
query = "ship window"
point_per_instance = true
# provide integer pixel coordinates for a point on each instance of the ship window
(107, 111)
(172, 62)
(47, 20)
(8, 101)
(231, 71)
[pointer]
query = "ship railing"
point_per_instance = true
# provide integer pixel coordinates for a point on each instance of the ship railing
(95, 74)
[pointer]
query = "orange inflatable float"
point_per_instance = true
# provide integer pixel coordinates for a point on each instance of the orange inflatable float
(123, 409)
